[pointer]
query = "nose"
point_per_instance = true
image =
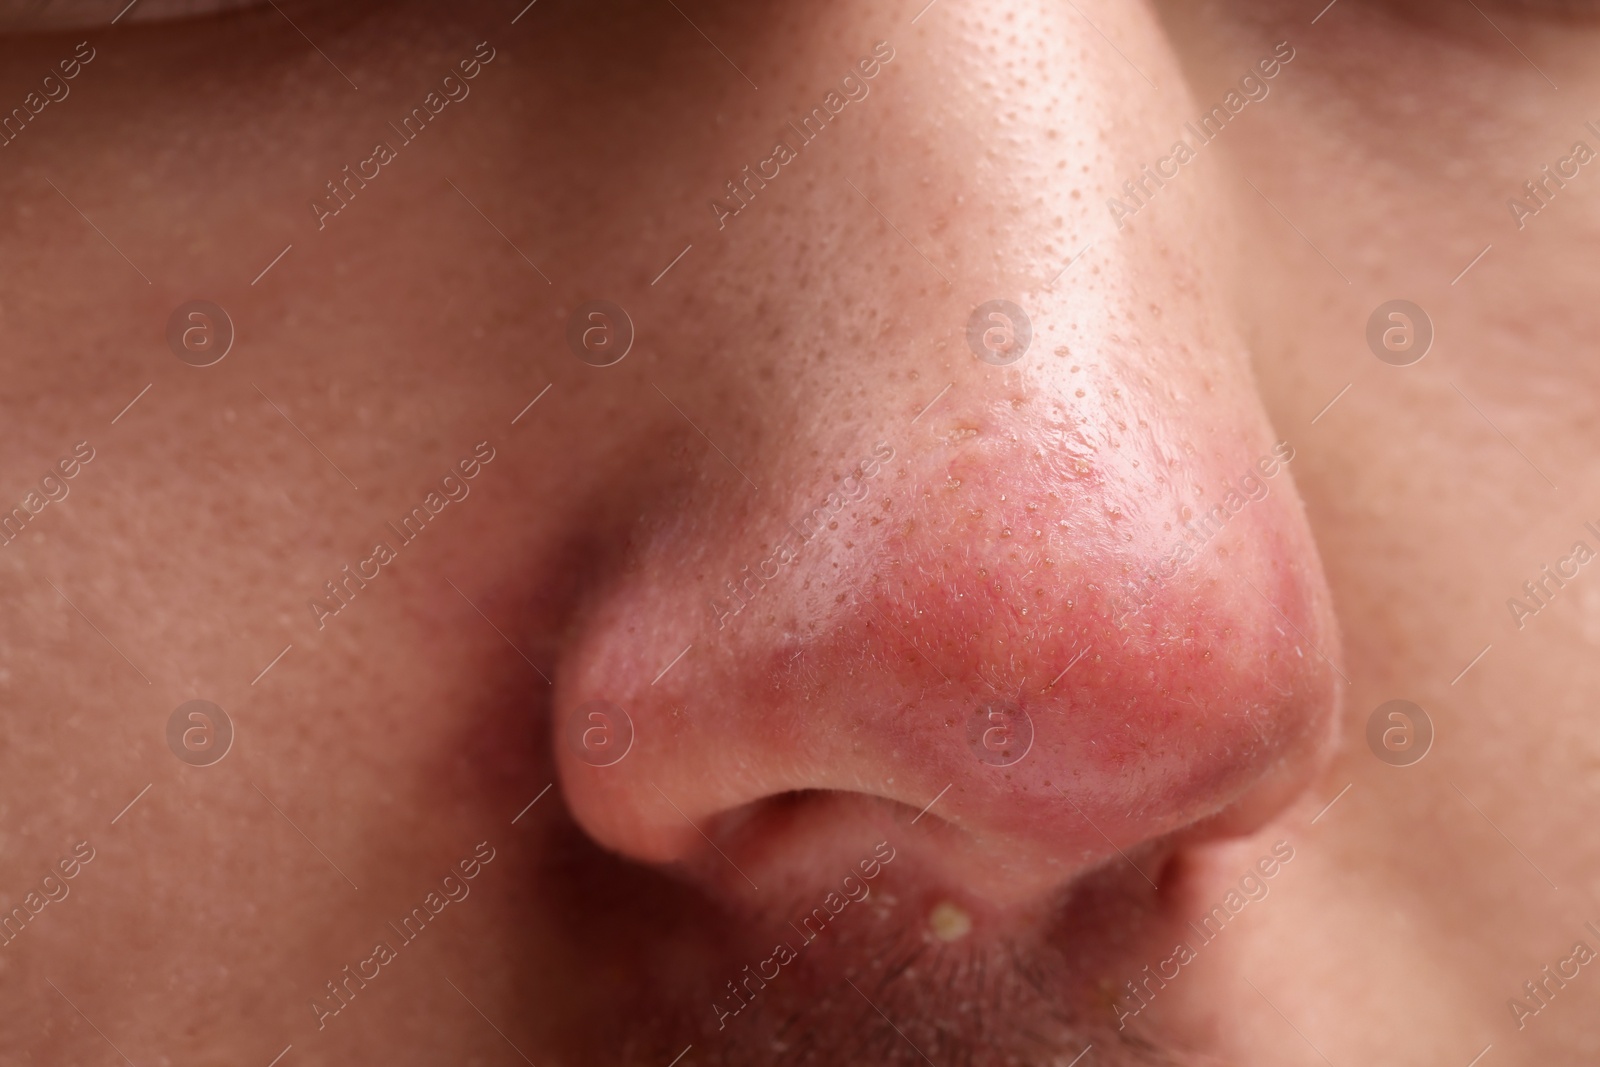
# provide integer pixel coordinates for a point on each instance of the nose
(998, 668)
(1015, 617)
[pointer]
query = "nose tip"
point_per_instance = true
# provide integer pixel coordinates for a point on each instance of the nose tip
(1004, 674)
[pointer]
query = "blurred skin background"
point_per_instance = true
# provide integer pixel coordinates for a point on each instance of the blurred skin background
(931, 592)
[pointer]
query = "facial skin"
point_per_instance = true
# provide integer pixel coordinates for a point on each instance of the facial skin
(976, 685)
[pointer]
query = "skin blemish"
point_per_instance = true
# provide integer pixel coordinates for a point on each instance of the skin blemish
(948, 922)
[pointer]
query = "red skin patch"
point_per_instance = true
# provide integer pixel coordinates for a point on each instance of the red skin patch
(1166, 644)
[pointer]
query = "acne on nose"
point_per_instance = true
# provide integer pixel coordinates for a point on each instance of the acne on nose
(868, 675)
(1070, 540)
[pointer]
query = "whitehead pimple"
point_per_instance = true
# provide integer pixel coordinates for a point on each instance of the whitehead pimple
(948, 922)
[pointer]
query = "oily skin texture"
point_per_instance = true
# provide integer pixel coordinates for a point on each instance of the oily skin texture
(406, 731)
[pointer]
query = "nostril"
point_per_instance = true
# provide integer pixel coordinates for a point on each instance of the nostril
(745, 827)
(785, 842)
(780, 806)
